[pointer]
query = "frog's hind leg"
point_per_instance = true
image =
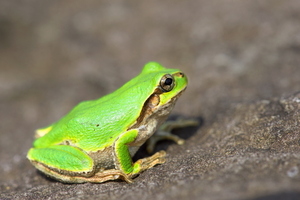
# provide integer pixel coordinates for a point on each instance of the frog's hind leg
(61, 161)
(70, 164)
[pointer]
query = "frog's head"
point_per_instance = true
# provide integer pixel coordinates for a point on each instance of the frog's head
(169, 83)
(160, 87)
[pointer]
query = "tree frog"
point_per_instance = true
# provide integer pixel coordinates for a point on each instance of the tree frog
(96, 140)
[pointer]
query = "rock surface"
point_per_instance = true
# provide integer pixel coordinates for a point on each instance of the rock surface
(242, 60)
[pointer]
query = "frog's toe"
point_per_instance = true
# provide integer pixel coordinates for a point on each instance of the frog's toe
(109, 175)
(149, 162)
(162, 135)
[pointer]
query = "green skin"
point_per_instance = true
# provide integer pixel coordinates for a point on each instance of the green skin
(96, 140)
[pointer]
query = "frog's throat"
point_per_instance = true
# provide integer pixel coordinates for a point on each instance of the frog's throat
(151, 107)
(151, 118)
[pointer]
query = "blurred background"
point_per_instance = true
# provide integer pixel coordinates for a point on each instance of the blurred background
(54, 54)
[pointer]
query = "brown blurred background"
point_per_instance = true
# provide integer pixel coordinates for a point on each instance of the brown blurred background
(54, 54)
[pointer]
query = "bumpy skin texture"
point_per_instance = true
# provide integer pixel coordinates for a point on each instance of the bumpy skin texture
(95, 141)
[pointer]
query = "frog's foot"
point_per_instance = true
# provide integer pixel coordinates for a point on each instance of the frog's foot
(164, 132)
(149, 162)
(106, 175)
(100, 177)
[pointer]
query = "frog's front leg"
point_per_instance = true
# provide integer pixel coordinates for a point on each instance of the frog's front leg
(70, 164)
(124, 160)
(164, 132)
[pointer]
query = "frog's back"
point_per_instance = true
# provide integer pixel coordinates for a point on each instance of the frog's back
(97, 123)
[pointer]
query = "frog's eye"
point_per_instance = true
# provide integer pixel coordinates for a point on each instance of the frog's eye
(167, 82)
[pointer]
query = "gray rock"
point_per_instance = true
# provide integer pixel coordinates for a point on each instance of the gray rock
(242, 60)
